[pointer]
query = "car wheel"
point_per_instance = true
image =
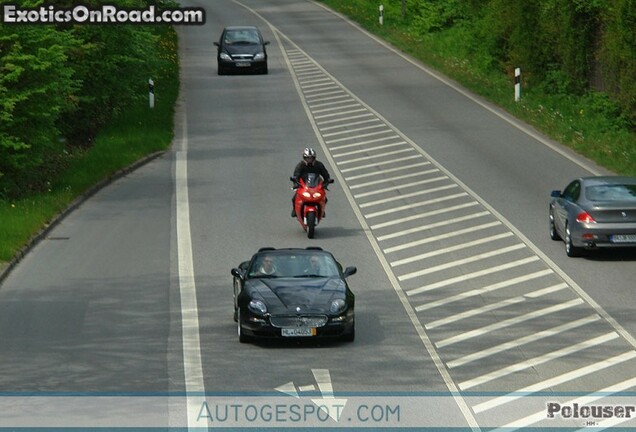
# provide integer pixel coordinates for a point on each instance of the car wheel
(554, 235)
(264, 71)
(221, 70)
(570, 249)
(242, 337)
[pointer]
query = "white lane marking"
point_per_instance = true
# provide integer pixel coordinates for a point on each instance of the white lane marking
(335, 108)
(474, 312)
(340, 113)
(380, 163)
(439, 224)
(533, 362)
(345, 98)
(321, 90)
(370, 148)
(374, 156)
(555, 381)
(391, 179)
(480, 355)
(348, 125)
(507, 323)
(385, 131)
(409, 195)
(388, 170)
(416, 205)
(401, 186)
(460, 262)
(192, 365)
(360, 129)
(449, 209)
(362, 144)
(474, 275)
(322, 95)
(583, 400)
(342, 119)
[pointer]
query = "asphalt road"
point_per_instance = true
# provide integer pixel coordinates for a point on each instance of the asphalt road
(440, 201)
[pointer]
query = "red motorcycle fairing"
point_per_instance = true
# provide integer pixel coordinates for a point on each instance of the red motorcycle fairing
(310, 202)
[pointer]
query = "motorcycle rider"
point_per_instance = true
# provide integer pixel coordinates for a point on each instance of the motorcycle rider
(309, 165)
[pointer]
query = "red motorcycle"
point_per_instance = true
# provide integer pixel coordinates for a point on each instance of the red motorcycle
(310, 201)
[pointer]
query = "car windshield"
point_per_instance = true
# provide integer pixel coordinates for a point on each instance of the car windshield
(293, 265)
(233, 37)
(612, 192)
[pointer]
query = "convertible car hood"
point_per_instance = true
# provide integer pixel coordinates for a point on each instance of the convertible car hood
(287, 295)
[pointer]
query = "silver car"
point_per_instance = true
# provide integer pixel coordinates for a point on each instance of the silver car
(594, 212)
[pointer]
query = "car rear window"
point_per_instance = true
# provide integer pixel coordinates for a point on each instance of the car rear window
(614, 192)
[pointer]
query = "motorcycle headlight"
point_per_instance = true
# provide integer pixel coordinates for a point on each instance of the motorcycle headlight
(306, 194)
(337, 306)
(259, 56)
(258, 307)
(317, 194)
(225, 56)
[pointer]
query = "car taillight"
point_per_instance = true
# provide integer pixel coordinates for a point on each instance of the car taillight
(584, 217)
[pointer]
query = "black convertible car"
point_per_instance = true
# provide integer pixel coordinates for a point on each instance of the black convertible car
(293, 293)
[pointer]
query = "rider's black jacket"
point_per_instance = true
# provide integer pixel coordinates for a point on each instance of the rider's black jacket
(302, 169)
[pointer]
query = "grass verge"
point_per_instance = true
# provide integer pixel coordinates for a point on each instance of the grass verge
(135, 133)
(588, 124)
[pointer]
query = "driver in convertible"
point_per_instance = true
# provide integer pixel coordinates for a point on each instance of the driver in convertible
(268, 267)
(309, 165)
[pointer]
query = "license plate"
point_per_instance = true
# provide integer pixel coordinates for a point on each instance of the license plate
(243, 64)
(300, 331)
(623, 238)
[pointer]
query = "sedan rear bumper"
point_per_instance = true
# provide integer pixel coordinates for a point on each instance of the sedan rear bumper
(605, 235)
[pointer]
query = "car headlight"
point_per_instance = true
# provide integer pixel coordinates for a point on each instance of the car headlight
(258, 307)
(337, 306)
(225, 56)
(259, 56)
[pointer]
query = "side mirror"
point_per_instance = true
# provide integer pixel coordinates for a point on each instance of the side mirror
(330, 181)
(350, 271)
(237, 273)
(292, 179)
(266, 43)
(216, 43)
(555, 194)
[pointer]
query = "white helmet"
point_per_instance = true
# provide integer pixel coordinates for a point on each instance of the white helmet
(309, 153)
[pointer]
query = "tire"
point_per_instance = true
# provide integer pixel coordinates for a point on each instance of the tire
(311, 224)
(241, 336)
(554, 235)
(570, 250)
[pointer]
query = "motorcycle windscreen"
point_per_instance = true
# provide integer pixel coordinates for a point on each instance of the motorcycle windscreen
(312, 180)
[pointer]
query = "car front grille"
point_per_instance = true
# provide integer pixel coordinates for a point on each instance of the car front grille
(242, 57)
(298, 321)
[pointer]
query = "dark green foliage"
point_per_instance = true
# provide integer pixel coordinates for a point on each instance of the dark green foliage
(59, 84)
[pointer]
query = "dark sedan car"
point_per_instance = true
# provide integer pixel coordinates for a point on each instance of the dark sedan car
(293, 293)
(594, 212)
(241, 48)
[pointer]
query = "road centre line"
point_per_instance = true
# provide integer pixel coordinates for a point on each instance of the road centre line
(459, 262)
(337, 120)
(360, 144)
(553, 382)
(390, 179)
(416, 205)
(508, 323)
(401, 186)
(424, 215)
(536, 361)
(479, 291)
(409, 195)
(461, 246)
(357, 136)
(379, 147)
(473, 275)
(381, 163)
(494, 306)
(620, 387)
(348, 131)
(534, 337)
(345, 125)
(439, 224)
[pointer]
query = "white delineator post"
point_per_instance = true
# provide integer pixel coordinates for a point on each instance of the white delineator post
(151, 93)
(517, 84)
(381, 17)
